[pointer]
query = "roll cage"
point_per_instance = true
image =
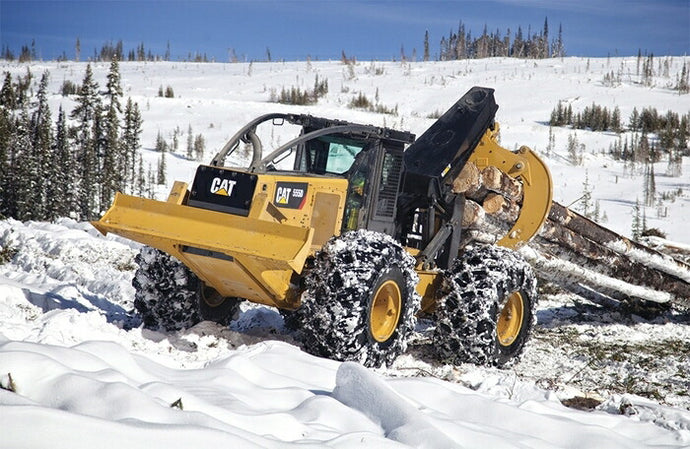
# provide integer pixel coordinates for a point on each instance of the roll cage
(324, 146)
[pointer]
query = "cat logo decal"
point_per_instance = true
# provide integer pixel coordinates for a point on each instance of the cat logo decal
(223, 187)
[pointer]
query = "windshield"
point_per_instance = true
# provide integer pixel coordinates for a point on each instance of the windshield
(329, 154)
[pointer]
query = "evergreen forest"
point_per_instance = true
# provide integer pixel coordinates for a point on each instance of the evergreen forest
(70, 166)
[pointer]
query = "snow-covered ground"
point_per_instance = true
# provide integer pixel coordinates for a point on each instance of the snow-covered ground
(86, 374)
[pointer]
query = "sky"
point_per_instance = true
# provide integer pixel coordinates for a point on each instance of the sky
(323, 29)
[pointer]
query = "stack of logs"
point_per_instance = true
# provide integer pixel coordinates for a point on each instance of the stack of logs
(570, 249)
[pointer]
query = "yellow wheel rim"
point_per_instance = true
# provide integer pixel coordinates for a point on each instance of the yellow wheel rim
(385, 311)
(510, 319)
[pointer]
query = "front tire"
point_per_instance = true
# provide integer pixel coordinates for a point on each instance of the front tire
(488, 313)
(361, 301)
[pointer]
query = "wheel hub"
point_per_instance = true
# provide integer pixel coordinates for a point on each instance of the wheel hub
(385, 311)
(211, 297)
(510, 319)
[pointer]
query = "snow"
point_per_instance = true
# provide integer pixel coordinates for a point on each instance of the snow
(400, 420)
(86, 374)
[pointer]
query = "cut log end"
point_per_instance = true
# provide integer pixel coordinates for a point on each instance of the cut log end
(468, 180)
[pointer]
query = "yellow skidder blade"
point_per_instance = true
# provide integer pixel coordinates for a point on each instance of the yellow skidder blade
(238, 256)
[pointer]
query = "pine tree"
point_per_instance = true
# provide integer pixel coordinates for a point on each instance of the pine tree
(176, 140)
(683, 83)
(636, 221)
(10, 147)
(518, 45)
(634, 122)
(649, 185)
(22, 88)
(574, 150)
(140, 185)
(8, 98)
(552, 142)
(443, 49)
(586, 199)
(6, 132)
(675, 163)
(648, 70)
(199, 147)
(596, 216)
(150, 182)
(86, 144)
(616, 121)
(642, 151)
(112, 176)
(63, 173)
(113, 86)
(88, 102)
(426, 45)
(131, 141)
(25, 172)
(113, 173)
(544, 51)
(161, 144)
(161, 170)
(40, 151)
(558, 49)
(190, 143)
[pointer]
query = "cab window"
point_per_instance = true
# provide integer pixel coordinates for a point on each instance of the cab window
(329, 154)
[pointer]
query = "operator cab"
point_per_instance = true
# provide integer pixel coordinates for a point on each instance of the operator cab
(369, 157)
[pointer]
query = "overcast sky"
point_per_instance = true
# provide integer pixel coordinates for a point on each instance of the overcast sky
(322, 29)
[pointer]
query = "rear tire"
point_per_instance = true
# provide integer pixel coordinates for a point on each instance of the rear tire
(360, 302)
(488, 313)
(168, 296)
(165, 291)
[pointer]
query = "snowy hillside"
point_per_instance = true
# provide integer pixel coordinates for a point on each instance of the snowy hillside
(217, 99)
(84, 369)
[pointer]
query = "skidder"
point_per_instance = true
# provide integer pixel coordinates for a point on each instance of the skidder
(352, 238)
(352, 231)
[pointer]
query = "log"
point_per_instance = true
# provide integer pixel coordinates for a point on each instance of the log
(476, 217)
(557, 242)
(501, 208)
(476, 184)
(493, 204)
(494, 180)
(630, 248)
(563, 243)
(473, 215)
(468, 180)
(569, 275)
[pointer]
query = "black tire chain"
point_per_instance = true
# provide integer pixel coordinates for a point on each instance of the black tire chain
(165, 291)
(466, 315)
(332, 321)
